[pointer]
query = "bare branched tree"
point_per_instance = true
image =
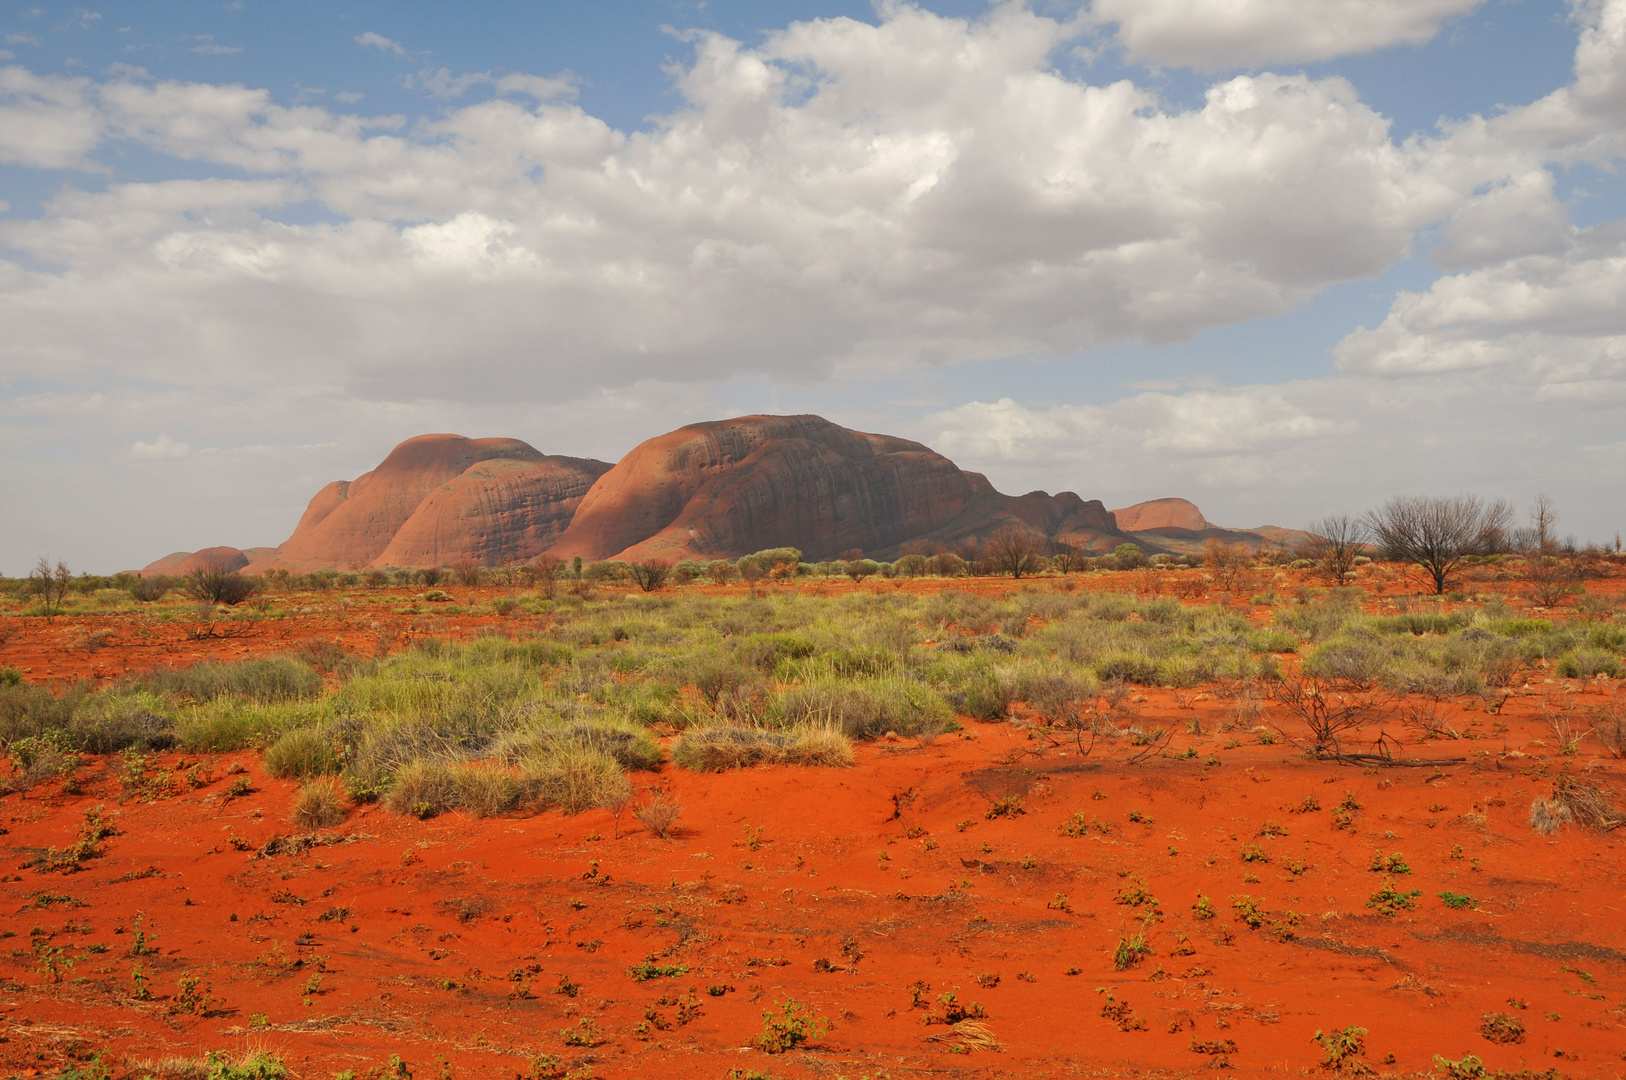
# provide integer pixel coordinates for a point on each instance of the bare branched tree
(650, 574)
(1543, 516)
(1436, 533)
(216, 583)
(1014, 550)
(1229, 562)
(1065, 557)
(50, 585)
(1334, 543)
(545, 571)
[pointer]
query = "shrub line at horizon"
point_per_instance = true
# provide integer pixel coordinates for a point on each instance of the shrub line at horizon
(567, 716)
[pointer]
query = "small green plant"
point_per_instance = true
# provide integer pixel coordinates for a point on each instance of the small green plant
(753, 837)
(1135, 894)
(1140, 818)
(1341, 1048)
(1457, 900)
(138, 982)
(51, 960)
(1203, 908)
(648, 969)
(1469, 1068)
(790, 1027)
(1010, 806)
(1248, 910)
(1271, 828)
(1389, 901)
(191, 996)
(1388, 864)
(140, 940)
(1254, 853)
(1501, 1028)
(585, 1033)
(1130, 951)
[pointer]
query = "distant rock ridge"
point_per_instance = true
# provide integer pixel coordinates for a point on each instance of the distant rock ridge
(719, 489)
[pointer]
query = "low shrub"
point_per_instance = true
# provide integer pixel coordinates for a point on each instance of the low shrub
(300, 754)
(319, 804)
(485, 789)
(574, 778)
(422, 788)
(717, 748)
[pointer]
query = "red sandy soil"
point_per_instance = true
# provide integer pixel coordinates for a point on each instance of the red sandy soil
(443, 941)
(425, 932)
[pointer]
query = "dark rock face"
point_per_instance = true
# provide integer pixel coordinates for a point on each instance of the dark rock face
(730, 487)
(1062, 518)
(484, 500)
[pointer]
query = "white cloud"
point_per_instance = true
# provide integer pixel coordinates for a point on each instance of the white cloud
(443, 84)
(46, 122)
(370, 40)
(1216, 34)
(22, 39)
(162, 448)
(207, 46)
(845, 197)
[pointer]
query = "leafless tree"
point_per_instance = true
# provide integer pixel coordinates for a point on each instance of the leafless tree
(1014, 550)
(1543, 516)
(1229, 562)
(1436, 533)
(546, 570)
(1334, 543)
(50, 585)
(650, 574)
(1065, 557)
(215, 583)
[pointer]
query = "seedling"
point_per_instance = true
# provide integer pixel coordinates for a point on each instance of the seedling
(1120, 1013)
(1010, 806)
(1203, 908)
(585, 1033)
(1457, 900)
(1389, 864)
(648, 969)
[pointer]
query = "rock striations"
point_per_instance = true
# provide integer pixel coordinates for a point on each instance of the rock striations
(713, 490)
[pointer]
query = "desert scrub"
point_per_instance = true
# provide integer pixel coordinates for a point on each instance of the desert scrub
(1501, 1028)
(712, 749)
(300, 754)
(319, 804)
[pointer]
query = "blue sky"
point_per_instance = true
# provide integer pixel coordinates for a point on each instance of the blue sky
(1283, 259)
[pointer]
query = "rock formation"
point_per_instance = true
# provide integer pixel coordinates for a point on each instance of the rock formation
(440, 500)
(712, 490)
(1162, 514)
(729, 487)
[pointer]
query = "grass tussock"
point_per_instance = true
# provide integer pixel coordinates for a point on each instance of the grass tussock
(300, 754)
(720, 748)
(1577, 803)
(319, 804)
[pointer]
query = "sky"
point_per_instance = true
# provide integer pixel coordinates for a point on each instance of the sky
(1284, 258)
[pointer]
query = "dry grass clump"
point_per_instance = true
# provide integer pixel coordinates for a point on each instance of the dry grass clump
(717, 748)
(319, 804)
(660, 814)
(576, 778)
(967, 1035)
(484, 789)
(423, 788)
(629, 744)
(300, 754)
(1577, 803)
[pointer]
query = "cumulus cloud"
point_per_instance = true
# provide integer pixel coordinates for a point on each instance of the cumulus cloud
(370, 40)
(845, 197)
(46, 122)
(1216, 34)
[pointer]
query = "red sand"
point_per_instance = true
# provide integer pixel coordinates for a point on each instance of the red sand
(443, 941)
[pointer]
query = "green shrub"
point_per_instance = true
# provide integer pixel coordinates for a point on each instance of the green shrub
(269, 680)
(423, 789)
(1587, 663)
(574, 777)
(300, 754)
